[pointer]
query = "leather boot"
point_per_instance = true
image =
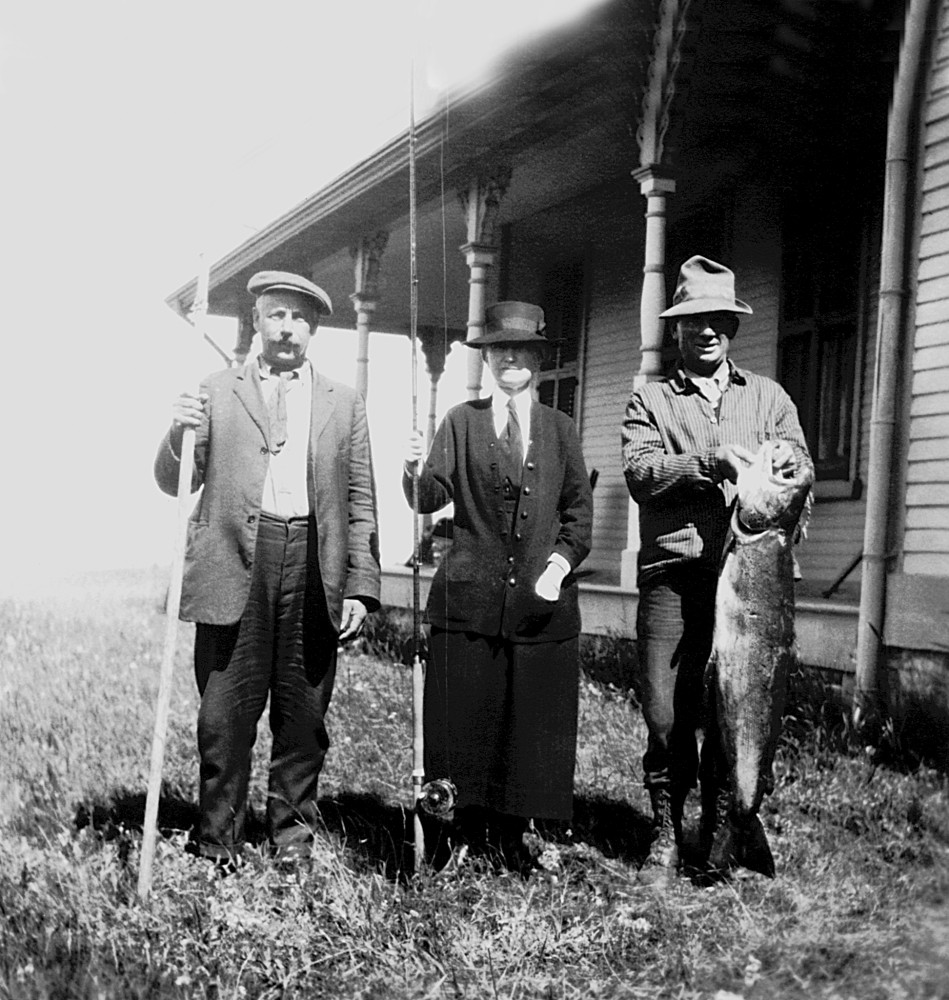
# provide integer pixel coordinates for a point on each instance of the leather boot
(664, 849)
(716, 805)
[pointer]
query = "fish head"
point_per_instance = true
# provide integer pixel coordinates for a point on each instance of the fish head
(770, 498)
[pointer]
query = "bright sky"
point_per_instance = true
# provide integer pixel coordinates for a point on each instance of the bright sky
(137, 135)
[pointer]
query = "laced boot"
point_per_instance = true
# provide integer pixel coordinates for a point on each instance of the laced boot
(716, 805)
(663, 857)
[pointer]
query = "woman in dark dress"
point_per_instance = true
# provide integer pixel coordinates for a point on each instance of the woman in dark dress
(501, 686)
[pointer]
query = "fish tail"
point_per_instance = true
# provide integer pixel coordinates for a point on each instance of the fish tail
(742, 845)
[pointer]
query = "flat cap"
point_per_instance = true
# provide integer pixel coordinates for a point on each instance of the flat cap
(265, 281)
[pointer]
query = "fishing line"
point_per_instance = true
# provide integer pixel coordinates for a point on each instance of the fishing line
(418, 676)
(441, 171)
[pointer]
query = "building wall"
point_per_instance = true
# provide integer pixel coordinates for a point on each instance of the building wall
(606, 227)
(926, 537)
(835, 532)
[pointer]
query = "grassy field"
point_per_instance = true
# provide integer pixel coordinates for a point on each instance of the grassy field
(858, 909)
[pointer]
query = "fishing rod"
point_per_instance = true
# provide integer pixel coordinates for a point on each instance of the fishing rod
(418, 668)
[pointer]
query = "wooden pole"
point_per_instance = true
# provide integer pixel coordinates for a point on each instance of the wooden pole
(166, 671)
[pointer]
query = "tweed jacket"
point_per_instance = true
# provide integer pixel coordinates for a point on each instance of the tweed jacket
(486, 582)
(231, 458)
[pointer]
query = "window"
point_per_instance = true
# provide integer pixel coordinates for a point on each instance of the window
(822, 278)
(564, 305)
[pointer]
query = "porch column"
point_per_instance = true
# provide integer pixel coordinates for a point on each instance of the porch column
(480, 203)
(367, 259)
(655, 186)
(434, 342)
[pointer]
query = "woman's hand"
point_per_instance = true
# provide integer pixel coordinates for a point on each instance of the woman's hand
(414, 451)
(548, 583)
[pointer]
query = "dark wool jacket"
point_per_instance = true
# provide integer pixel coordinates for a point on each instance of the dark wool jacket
(231, 454)
(486, 582)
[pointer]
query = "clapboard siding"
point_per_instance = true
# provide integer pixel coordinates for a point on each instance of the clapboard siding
(937, 108)
(926, 534)
(926, 495)
(928, 517)
(927, 540)
(934, 153)
(609, 225)
(612, 358)
(934, 288)
(936, 221)
(929, 382)
(932, 335)
(929, 449)
(929, 427)
(926, 358)
(930, 267)
(924, 406)
(925, 564)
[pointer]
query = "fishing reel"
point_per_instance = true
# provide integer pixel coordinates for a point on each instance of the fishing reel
(437, 798)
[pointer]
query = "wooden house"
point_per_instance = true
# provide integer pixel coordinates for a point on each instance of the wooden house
(805, 143)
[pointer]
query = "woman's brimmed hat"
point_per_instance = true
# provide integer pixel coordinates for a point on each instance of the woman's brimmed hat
(704, 287)
(512, 323)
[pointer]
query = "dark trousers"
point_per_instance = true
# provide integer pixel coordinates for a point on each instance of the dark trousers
(501, 722)
(674, 625)
(284, 647)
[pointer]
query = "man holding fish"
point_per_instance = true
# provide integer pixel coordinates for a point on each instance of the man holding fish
(686, 441)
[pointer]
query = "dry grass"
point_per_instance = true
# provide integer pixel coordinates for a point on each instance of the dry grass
(858, 908)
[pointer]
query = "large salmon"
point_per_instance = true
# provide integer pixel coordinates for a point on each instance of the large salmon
(753, 648)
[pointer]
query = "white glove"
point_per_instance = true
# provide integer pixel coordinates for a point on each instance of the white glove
(548, 583)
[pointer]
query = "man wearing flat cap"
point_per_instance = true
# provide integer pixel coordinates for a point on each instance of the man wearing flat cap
(501, 686)
(685, 438)
(281, 565)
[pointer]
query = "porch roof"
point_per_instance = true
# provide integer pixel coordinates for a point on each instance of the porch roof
(565, 96)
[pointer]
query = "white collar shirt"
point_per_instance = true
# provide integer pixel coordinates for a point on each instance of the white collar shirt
(285, 487)
(522, 406)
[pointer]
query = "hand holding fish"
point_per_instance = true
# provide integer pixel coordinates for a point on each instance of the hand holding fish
(783, 459)
(732, 458)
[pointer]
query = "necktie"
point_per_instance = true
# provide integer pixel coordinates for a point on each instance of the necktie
(277, 411)
(512, 434)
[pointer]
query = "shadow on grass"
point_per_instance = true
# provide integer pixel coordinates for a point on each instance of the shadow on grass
(379, 835)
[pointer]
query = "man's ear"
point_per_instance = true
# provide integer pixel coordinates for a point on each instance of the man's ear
(256, 315)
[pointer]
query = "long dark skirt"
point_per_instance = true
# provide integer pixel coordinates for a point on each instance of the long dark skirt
(501, 722)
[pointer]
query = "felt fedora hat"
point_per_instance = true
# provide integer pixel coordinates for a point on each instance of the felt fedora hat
(266, 281)
(512, 323)
(704, 287)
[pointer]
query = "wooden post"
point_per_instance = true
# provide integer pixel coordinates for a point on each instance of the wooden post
(480, 202)
(367, 258)
(166, 671)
